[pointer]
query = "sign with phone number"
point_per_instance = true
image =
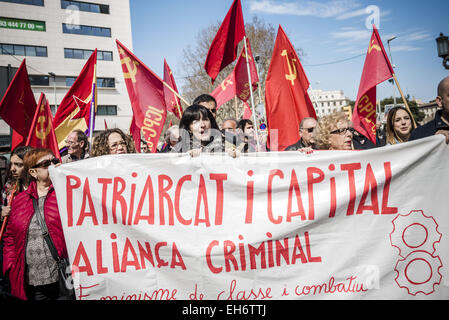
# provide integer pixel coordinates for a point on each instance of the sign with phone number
(20, 24)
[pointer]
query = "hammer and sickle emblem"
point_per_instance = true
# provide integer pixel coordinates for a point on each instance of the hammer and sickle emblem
(131, 68)
(44, 130)
(292, 75)
(225, 84)
(373, 46)
(244, 56)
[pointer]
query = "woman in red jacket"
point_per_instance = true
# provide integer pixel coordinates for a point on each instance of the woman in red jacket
(28, 262)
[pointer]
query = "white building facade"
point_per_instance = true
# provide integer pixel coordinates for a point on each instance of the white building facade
(57, 37)
(327, 102)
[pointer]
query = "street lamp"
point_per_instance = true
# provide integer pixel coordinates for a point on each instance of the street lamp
(443, 49)
(391, 59)
(53, 75)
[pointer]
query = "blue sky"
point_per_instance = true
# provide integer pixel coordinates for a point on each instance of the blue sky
(327, 31)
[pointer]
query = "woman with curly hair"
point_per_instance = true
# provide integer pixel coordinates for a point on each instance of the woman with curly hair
(399, 125)
(335, 132)
(112, 141)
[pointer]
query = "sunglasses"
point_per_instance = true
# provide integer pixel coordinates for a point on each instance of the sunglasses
(46, 163)
(309, 130)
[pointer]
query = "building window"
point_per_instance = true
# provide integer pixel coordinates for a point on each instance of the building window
(104, 55)
(86, 6)
(85, 54)
(86, 30)
(53, 109)
(22, 50)
(32, 2)
(69, 81)
(39, 80)
(106, 82)
(106, 110)
(101, 82)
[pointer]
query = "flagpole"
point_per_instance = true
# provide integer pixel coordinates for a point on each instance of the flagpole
(259, 89)
(177, 94)
(92, 114)
(252, 96)
(403, 98)
(313, 99)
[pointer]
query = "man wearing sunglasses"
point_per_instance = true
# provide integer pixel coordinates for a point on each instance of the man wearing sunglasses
(307, 129)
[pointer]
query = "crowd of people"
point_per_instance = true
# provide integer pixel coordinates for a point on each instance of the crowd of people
(33, 245)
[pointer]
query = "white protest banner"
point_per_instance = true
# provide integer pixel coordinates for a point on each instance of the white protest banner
(332, 225)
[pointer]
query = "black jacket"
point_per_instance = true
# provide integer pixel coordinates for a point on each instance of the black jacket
(430, 128)
(295, 147)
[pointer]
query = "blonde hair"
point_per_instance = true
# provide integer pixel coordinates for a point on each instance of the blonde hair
(325, 125)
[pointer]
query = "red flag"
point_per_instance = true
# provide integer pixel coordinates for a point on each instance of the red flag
(287, 100)
(135, 132)
(223, 49)
(237, 82)
(42, 132)
(18, 106)
(74, 111)
(247, 113)
(172, 101)
(225, 91)
(241, 74)
(146, 93)
(105, 125)
(377, 69)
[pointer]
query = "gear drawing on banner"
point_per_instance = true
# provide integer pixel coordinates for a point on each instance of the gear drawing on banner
(415, 236)
(416, 223)
(419, 272)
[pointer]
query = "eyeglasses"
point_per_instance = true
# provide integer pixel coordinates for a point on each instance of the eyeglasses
(342, 131)
(46, 163)
(309, 130)
(117, 144)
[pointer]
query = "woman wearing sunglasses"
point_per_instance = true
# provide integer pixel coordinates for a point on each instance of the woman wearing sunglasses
(28, 260)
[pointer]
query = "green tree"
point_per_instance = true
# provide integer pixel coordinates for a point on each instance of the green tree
(261, 36)
(417, 114)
